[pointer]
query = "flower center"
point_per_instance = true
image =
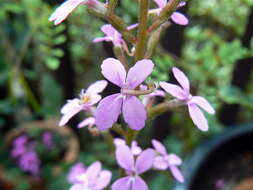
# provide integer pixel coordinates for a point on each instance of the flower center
(85, 98)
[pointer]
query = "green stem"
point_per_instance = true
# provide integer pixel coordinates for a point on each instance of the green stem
(142, 34)
(119, 53)
(131, 134)
(154, 39)
(165, 13)
(112, 5)
(163, 107)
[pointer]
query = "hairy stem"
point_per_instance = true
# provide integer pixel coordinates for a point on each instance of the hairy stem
(142, 34)
(165, 13)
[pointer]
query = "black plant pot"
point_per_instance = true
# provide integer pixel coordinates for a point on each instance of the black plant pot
(223, 163)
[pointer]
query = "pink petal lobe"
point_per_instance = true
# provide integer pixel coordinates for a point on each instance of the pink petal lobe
(71, 108)
(114, 71)
(133, 26)
(177, 174)
(181, 78)
(134, 113)
(62, 12)
(97, 87)
(174, 90)
(99, 39)
(179, 18)
(108, 29)
(159, 147)
(123, 183)
(160, 163)
(89, 121)
(139, 72)
(173, 159)
(125, 157)
(102, 180)
(93, 170)
(95, 98)
(108, 111)
(160, 3)
(197, 117)
(145, 161)
(203, 103)
(139, 184)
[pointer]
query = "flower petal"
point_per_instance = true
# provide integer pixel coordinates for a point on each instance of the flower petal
(159, 147)
(123, 183)
(179, 18)
(89, 121)
(114, 71)
(203, 103)
(134, 113)
(160, 3)
(95, 98)
(174, 90)
(181, 78)
(160, 163)
(139, 72)
(197, 117)
(173, 159)
(139, 184)
(108, 30)
(64, 10)
(71, 108)
(78, 186)
(102, 181)
(108, 111)
(177, 174)
(125, 157)
(100, 39)
(133, 26)
(93, 170)
(145, 161)
(135, 149)
(97, 87)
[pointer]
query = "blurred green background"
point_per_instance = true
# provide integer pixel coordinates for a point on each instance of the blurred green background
(41, 66)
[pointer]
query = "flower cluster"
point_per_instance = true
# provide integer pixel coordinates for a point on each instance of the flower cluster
(24, 152)
(127, 102)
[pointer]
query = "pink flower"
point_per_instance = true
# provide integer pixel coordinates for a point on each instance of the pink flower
(177, 17)
(47, 139)
(89, 121)
(19, 146)
(112, 35)
(93, 178)
(133, 168)
(182, 93)
(63, 11)
(85, 102)
(30, 162)
(135, 149)
(75, 171)
(163, 161)
(110, 107)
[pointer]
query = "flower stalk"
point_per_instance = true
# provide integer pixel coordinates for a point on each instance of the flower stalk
(165, 13)
(142, 34)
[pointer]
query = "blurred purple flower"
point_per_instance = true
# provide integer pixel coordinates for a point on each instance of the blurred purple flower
(177, 17)
(133, 168)
(47, 139)
(182, 93)
(63, 11)
(135, 149)
(110, 107)
(163, 161)
(19, 146)
(30, 162)
(75, 171)
(93, 178)
(112, 35)
(87, 99)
